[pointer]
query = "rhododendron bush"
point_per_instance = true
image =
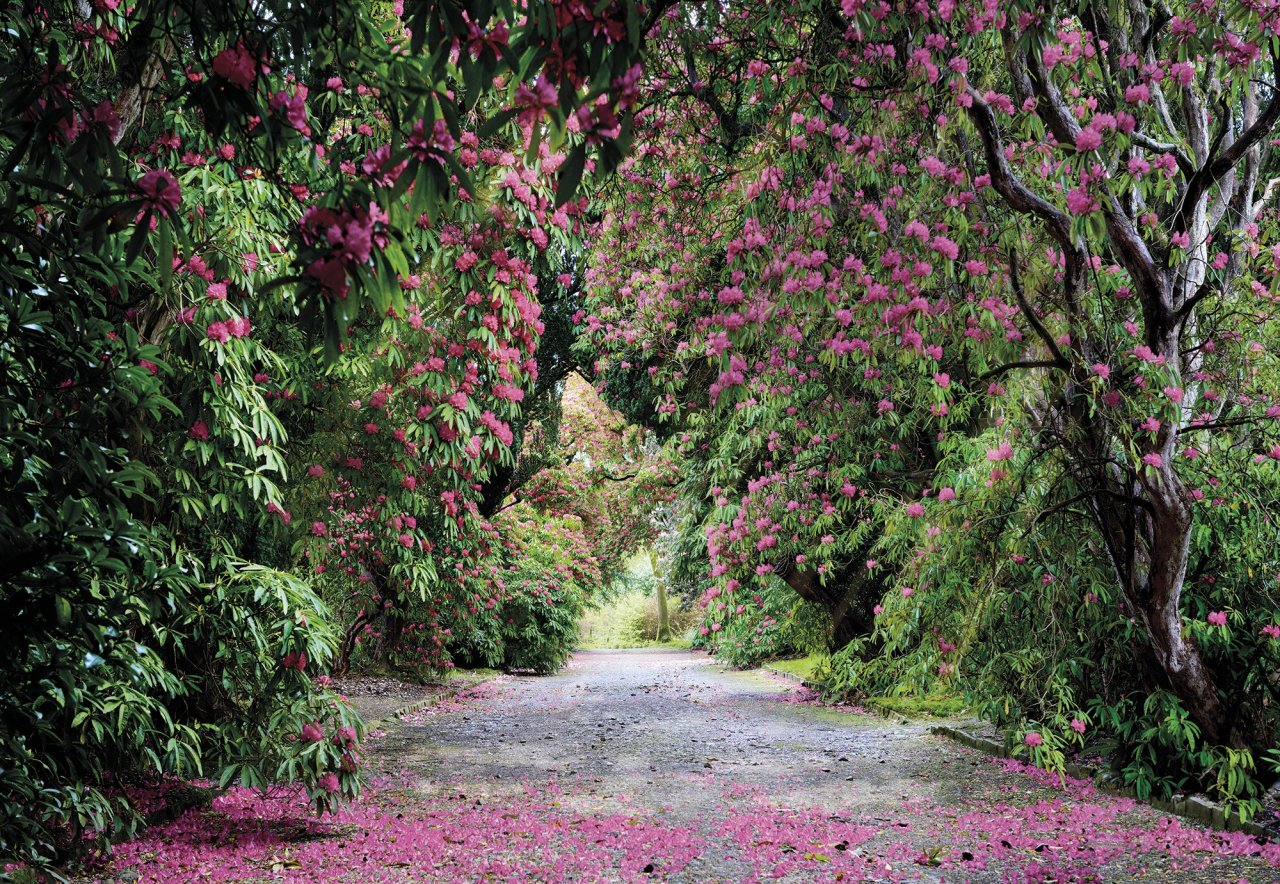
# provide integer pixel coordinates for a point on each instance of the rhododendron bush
(566, 535)
(243, 241)
(962, 320)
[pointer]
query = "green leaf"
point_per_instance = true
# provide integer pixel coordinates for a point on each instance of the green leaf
(570, 175)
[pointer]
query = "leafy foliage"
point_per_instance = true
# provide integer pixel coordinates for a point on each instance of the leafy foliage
(215, 223)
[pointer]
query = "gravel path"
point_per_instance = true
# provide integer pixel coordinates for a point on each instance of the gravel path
(769, 782)
(656, 765)
(661, 726)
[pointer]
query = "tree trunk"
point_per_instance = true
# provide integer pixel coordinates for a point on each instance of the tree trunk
(847, 621)
(664, 619)
(1153, 586)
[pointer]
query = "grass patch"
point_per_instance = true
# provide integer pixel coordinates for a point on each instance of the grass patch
(473, 674)
(803, 667)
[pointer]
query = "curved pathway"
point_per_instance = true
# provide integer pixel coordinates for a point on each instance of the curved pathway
(664, 766)
(773, 784)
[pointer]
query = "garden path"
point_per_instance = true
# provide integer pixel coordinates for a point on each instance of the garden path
(775, 783)
(662, 765)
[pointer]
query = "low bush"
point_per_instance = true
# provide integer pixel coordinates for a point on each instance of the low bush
(773, 623)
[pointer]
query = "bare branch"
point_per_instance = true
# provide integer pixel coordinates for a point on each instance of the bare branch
(1015, 193)
(1217, 167)
(1025, 363)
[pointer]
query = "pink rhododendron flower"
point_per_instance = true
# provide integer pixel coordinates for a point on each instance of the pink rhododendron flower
(199, 430)
(1003, 452)
(1088, 139)
(1033, 739)
(294, 107)
(311, 733)
(159, 190)
(236, 65)
(1217, 618)
(1081, 202)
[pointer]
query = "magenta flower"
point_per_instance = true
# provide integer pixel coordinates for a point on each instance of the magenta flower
(1271, 630)
(1217, 618)
(1077, 725)
(311, 733)
(1080, 202)
(328, 782)
(1153, 460)
(199, 430)
(536, 99)
(1003, 452)
(293, 107)
(236, 65)
(1033, 739)
(238, 326)
(1088, 139)
(159, 190)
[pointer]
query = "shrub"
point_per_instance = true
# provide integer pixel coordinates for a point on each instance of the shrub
(773, 623)
(539, 621)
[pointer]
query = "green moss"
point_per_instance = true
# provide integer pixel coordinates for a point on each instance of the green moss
(929, 706)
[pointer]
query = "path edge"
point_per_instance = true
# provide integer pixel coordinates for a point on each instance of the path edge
(418, 705)
(1197, 808)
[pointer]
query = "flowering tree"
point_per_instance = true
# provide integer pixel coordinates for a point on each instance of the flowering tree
(882, 266)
